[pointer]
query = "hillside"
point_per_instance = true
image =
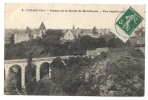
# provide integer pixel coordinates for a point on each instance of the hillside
(118, 72)
(123, 75)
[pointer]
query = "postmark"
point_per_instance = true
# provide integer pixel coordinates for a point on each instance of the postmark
(129, 21)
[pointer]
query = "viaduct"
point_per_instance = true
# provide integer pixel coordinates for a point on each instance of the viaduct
(23, 63)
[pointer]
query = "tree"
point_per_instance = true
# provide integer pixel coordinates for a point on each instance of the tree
(128, 43)
(30, 69)
(81, 91)
(54, 34)
(102, 42)
(88, 42)
(31, 86)
(94, 30)
(115, 42)
(57, 62)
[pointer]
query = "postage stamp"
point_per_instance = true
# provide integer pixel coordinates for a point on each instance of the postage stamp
(129, 21)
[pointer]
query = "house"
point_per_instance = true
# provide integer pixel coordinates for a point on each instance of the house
(71, 34)
(68, 35)
(103, 31)
(139, 32)
(91, 53)
(137, 40)
(99, 50)
(96, 52)
(141, 41)
(86, 32)
(75, 33)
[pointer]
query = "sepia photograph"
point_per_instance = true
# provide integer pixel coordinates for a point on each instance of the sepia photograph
(74, 49)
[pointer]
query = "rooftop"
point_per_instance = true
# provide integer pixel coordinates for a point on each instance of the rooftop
(42, 26)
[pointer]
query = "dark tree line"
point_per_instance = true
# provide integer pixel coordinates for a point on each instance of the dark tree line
(51, 45)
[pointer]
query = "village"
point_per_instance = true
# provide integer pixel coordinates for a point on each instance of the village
(72, 35)
(68, 34)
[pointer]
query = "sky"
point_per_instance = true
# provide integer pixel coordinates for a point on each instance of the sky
(16, 18)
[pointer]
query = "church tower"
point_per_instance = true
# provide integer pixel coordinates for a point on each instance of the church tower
(42, 26)
(73, 27)
(42, 29)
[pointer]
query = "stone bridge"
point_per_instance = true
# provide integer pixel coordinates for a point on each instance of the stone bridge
(23, 63)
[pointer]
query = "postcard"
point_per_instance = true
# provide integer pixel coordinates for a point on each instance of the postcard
(74, 49)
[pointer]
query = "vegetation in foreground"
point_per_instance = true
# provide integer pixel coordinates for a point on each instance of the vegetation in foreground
(115, 73)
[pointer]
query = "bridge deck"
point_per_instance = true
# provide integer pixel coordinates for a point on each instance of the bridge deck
(35, 59)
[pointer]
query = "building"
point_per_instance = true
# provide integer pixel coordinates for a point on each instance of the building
(90, 32)
(91, 53)
(96, 52)
(21, 35)
(42, 29)
(71, 34)
(86, 32)
(137, 40)
(24, 35)
(103, 31)
(68, 35)
(99, 50)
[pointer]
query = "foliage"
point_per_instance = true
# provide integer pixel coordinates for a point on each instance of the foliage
(115, 43)
(123, 76)
(47, 87)
(30, 71)
(57, 62)
(94, 30)
(31, 86)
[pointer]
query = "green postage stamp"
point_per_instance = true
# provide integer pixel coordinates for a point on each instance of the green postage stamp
(129, 21)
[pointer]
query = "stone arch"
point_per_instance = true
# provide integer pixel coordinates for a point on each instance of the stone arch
(14, 78)
(44, 69)
(30, 72)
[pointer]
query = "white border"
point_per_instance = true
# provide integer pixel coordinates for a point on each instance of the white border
(3, 97)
